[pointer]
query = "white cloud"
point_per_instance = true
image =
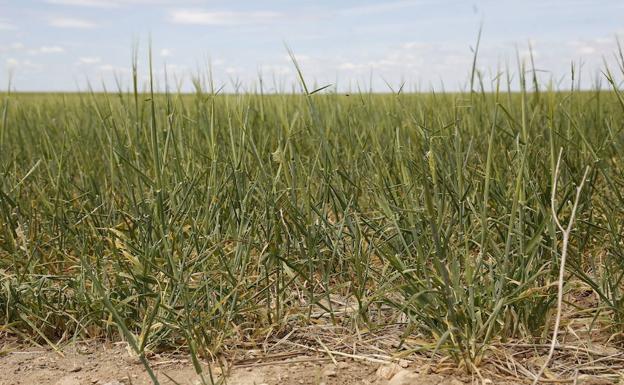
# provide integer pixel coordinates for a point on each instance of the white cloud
(526, 54)
(349, 66)
(299, 58)
(110, 3)
(85, 3)
(5, 25)
(198, 17)
(89, 60)
(69, 22)
(12, 63)
(51, 49)
(13, 47)
(234, 70)
(165, 52)
(113, 69)
(175, 72)
(279, 70)
(22, 65)
(415, 45)
(586, 50)
(595, 47)
(381, 7)
(31, 66)
(176, 67)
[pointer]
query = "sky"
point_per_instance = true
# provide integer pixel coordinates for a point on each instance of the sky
(71, 45)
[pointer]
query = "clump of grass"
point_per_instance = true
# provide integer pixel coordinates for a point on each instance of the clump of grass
(201, 221)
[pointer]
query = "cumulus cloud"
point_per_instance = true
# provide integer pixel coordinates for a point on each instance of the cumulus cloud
(596, 46)
(89, 60)
(202, 17)
(70, 22)
(348, 66)
(110, 3)
(22, 65)
(17, 46)
(381, 7)
(165, 52)
(85, 3)
(113, 68)
(299, 57)
(408, 58)
(50, 49)
(232, 70)
(279, 70)
(106, 67)
(5, 25)
(12, 63)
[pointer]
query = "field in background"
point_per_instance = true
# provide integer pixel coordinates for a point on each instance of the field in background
(208, 223)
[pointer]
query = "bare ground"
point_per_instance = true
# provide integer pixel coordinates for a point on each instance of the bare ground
(112, 364)
(330, 355)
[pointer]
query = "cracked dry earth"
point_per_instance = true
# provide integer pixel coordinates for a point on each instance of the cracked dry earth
(111, 364)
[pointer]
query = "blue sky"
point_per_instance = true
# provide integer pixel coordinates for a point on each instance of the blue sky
(66, 44)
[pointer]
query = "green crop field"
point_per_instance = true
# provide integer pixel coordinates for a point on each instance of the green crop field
(201, 222)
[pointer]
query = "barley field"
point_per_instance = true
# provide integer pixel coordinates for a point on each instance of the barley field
(207, 222)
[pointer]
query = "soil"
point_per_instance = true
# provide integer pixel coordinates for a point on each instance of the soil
(111, 364)
(327, 354)
(587, 354)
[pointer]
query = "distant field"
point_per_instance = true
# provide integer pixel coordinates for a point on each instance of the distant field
(208, 223)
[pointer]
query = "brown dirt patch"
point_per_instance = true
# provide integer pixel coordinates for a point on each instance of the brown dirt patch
(320, 356)
(111, 364)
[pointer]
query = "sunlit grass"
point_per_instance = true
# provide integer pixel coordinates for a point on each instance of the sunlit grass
(194, 221)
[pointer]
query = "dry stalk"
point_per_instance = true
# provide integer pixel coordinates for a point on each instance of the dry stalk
(564, 251)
